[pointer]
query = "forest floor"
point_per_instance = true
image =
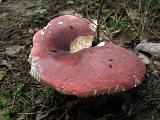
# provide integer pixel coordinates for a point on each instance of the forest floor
(23, 98)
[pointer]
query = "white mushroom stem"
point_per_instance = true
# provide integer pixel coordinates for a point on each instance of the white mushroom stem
(81, 42)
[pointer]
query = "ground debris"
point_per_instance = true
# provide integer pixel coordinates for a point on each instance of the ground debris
(13, 50)
(3, 73)
(134, 15)
(5, 63)
(123, 36)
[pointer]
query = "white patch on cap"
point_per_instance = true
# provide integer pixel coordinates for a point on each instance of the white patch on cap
(33, 40)
(60, 23)
(117, 88)
(42, 32)
(61, 90)
(136, 82)
(95, 92)
(72, 17)
(109, 90)
(47, 26)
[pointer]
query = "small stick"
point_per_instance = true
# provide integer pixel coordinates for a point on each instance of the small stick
(98, 19)
(87, 7)
(153, 33)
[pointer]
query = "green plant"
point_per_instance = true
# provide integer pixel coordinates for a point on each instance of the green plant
(40, 10)
(115, 25)
(45, 93)
(93, 17)
(3, 101)
(18, 91)
(139, 32)
(8, 113)
(145, 4)
(6, 116)
(94, 5)
(30, 109)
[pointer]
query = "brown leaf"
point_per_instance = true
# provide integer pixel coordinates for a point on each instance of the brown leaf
(122, 36)
(134, 15)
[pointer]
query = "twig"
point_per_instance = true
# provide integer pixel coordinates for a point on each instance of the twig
(2, 29)
(135, 113)
(153, 33)
(128, 15)
(9, 33)
(144, 20)
(98, 19)
(30, 113)
(50, 111)
(87, 5)
(108, 15)
(62, 115)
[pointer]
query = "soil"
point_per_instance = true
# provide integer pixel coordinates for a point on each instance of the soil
(27, 99)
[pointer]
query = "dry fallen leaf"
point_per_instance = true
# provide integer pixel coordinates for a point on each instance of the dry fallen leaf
(151, 48)
(13, 50)
(134, 15)
(123, 36)
(145, 59)
(149, 53)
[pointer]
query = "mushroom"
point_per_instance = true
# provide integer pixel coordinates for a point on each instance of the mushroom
(62, 58)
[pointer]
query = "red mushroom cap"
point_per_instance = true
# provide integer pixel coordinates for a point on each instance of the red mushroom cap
(90, 71)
